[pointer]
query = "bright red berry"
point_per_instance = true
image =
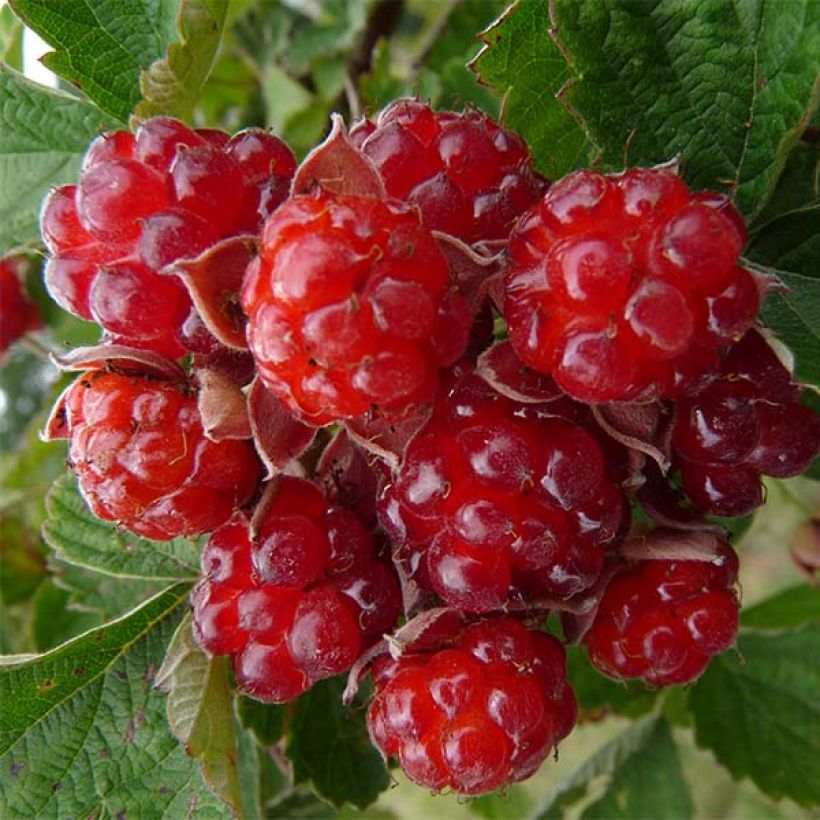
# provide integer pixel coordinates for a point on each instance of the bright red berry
(142, 459)
(350, 307)
(495, 499)
(143, 201)
(297, 602)
(469, 176)
(663, 620)
(477, 715)
(617, 283)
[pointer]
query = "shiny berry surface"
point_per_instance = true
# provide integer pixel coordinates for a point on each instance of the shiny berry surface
(143, 201)
(299, 600)
(615, 283)
(475, 716)
(663, 620)
(469, 176)
(745, 422)
(495, 499)
(347, 303)
(142, 459)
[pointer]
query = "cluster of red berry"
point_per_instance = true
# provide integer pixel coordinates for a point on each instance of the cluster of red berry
(468, 479)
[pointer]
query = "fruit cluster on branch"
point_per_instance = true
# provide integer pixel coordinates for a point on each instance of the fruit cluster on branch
(421, 398)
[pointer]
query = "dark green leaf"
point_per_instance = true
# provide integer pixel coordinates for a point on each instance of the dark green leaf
(329, 746)
(43, 135)
(645, 779)
(54, 621)
(798, 188)
(82, 729)
(727, 86)
(789, 608)
(172, 85)
(758, 710)
(525, 66)
(513, 802)
(265, 720)
(102, 48)
(79, 537)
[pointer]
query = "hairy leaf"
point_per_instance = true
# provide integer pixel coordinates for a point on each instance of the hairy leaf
(522, 63)
(172, 85)
(758, 710)
(43, 135)
(200, 711)
(103, 47)
(727, 86)
(82, 729)
(645, 778)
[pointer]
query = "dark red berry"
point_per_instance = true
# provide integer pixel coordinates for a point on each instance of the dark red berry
(18, 314)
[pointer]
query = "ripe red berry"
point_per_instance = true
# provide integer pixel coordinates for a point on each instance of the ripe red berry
(18, 314)
(495, 499)
(143, 201)
(746, 421)
(663, 620)
(470, 177)
(142, 459)
(618, 284)
(297, 602)
(477, 715)
(348, 304)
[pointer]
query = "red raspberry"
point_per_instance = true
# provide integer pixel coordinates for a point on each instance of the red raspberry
(350, 307)
(746, 421)
(298, 603)
(144, 201)
(142, 459)
(496, 498)
(470, 177)
(478, 715)
(618, 286)
(663, 620)
(18, 314)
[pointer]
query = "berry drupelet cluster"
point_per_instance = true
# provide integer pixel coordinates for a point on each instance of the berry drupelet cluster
(502, 360)
(18, 314)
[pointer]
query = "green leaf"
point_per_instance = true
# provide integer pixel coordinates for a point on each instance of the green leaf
(11, 39)
(200, 711)
(512, 802)
(82, 729)
(173, 84)
(265, 720)
(727, 86)
(798, 188)
(43, 136)
(645, 778)
(524, 65)
(54, 621)
(103, 48)
(77, 536)
(791, 607)
(759, 712)
(329, 746)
